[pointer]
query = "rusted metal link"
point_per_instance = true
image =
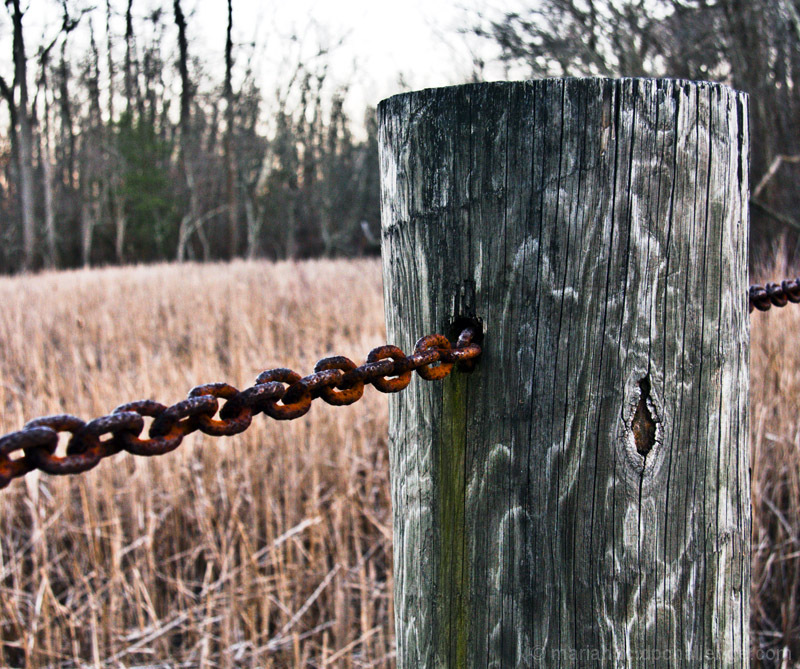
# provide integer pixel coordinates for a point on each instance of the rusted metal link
(774, 294)
(280, 393)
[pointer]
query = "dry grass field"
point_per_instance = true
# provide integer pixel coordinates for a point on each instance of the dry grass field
(775, 473)
(271, 548)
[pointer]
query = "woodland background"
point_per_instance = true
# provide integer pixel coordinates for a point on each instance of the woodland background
(121, 146)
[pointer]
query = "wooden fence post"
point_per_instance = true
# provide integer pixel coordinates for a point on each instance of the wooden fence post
(582, 498)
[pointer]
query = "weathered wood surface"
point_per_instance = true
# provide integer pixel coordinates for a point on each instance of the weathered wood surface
(599, 229)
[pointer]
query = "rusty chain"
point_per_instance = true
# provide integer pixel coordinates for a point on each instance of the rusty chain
(280, 393)
(774, 294)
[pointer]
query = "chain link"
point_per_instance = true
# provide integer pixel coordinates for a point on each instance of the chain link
(774, 294)
(280, 393)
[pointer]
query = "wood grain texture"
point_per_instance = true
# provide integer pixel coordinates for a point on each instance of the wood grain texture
(599, 229)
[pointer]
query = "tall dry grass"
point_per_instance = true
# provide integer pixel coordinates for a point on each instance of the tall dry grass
(271, 548)
(775, 472)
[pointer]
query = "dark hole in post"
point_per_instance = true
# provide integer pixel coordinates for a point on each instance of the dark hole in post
(643, 425)
(458, 325)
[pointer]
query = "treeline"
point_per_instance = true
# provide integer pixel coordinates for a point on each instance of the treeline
(123, 145)
(126, 150)
(753, 45)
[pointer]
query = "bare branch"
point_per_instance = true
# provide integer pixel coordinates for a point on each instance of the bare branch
(773, 168)
(6, 91)
(775, 215)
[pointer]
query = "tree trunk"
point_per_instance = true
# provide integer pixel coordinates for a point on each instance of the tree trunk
(254, 222)
(131, 82)
(230, 158)
(87, 226)
(112, 70)
(116, 200)
(582, 498)
(51, 260)
(25, 146)
(67, 140)
(186, 159)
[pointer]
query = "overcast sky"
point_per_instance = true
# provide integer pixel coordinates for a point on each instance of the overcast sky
(415, 39)
(386, 46)
(383, 43)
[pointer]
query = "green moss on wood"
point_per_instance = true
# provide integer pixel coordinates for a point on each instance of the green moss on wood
(453, 577)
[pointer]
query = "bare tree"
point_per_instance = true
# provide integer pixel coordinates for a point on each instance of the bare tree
(122, 165)
(92, 181)
(753, 45)
(46, 159)
(22, 114)
(66, 144)
(252, 155)
(22, 134)
(46, 140)
(116, 201)
(131, 82)
(184, 128)
(571, 37)
(191, 221)
(230, 160)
